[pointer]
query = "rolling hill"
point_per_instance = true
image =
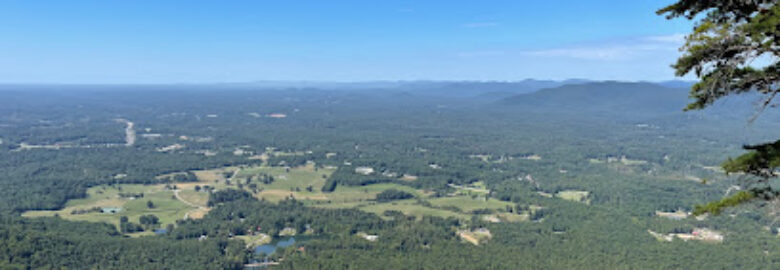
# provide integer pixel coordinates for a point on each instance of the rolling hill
(617, 97)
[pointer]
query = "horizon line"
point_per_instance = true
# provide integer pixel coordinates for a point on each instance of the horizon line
(332, 82)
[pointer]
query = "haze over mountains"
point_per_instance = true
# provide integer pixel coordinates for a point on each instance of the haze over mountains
(626, 149)
(573, 96)
(604, 96)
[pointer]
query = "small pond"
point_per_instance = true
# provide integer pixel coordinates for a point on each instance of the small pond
(269, 249)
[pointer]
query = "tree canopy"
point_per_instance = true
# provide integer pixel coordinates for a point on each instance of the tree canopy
(734, 49)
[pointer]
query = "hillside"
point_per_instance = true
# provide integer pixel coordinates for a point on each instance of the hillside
(475, 88)
(618, 97)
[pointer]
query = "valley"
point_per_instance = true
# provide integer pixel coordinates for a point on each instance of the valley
(436, 177)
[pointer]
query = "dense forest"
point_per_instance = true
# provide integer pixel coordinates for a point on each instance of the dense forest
(630, 156)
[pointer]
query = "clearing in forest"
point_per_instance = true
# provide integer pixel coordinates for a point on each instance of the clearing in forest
(574, 195)
(128, 200)
(468, 204)
(184, 200)
(410, 207)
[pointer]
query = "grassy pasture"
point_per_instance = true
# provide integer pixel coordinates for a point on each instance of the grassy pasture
(467, 204)
(299, 177)
(193, 197)
(166, 207)
(410, 208)
(288, 182)
(368, 192)
(573, 195)
(476, 188)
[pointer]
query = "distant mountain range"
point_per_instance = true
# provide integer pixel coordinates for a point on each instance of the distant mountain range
(677, 84)
(604, 96)
(633, 99)
(448, 88)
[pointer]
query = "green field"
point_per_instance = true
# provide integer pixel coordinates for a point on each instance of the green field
(410, 208)
(288, 182)
(467, 204)
(574, 195)
(476, 188)
(166, 207)
(368, 192)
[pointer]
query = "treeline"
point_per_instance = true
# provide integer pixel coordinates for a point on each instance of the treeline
(416, 136)
(241, 215)
(51, 243)
(392, 195)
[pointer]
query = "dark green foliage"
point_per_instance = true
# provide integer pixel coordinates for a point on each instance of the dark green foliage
(392, 195)
(129, 227)
(49, 243)
(733, 50)
(716, 207)
(330, 185)
(272, 218)
(724, 44)
(149, 221)
(413, 133)
(228, 195)
(186, 177)
(761, 160)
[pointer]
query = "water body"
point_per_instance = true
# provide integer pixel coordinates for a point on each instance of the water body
(269, 249)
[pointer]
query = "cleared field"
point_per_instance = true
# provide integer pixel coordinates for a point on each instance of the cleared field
(276, 195)
(410, 208)
(574, 195)
(213, 174)
(483, 157)
(408, 177)
(476, 236)
(595, 161)
(255, 240)
(467, 204)
(185, 202)
(368, 192)
(286, 179)
(193, 197)
(630, 162)
(335, 205)
(166, 206)
(476, 188)
(511, 217)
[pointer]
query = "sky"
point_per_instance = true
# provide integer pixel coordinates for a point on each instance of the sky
(198, 41)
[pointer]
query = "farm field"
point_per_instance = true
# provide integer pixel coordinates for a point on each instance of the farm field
(102, 199)
(410, 207)
(574, 195)
(185, 200)
(468, 204)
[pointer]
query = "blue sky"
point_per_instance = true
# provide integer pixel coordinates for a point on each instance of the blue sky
(237, 41)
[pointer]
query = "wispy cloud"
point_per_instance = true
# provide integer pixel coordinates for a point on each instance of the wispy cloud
(628, 49)
(481, 24)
